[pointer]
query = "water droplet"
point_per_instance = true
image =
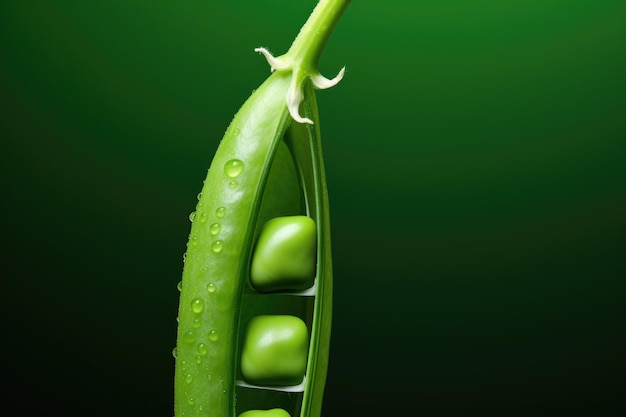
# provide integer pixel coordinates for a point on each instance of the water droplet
(179, 285)
(184, 256)
(233, 168)
(199, 196)
(197, 305)
(192, 216)
(203, 217)
(175, 352)
(215, 228)
(236, 131)
(213, 335)
(217, 246)
(220, 212)
(211, 287)
(190, 401)
(196, 322)
(202, 349)
(198, 360)
(194, 241)
(189, 378)
(233, 184)
(189, 337)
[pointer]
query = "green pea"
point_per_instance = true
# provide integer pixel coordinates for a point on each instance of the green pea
(268, 165)
(275, 412)
(275, 350)
(284, 257)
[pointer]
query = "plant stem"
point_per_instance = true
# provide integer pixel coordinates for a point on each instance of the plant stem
(308, 45)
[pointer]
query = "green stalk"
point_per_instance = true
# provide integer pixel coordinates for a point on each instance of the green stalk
(308, 45)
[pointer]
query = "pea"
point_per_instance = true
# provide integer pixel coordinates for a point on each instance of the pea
(284, 257)
(275, 412)
(268, 166)
(275, 350)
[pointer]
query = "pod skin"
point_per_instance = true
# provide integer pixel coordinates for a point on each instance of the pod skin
(268, 164)
(219, 260)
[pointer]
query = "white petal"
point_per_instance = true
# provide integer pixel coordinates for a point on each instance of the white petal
(294, 98)
(275, 63)
(322, 82)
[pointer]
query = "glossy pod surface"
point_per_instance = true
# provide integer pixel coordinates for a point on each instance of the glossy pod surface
(215, 261)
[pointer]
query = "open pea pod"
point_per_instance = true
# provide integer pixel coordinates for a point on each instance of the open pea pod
(255, 304)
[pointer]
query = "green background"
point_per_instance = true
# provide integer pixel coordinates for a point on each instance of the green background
(475, 158)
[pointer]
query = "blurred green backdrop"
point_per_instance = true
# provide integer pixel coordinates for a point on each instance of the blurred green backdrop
(475, 156)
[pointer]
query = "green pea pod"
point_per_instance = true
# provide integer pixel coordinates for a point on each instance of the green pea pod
(268, 165)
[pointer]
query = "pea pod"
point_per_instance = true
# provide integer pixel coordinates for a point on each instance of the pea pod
(268, 166)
